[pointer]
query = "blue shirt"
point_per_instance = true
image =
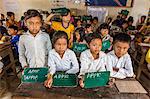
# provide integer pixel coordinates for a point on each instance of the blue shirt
(14, 41)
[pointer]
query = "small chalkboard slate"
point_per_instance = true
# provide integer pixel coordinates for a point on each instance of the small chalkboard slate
(34, 75)
(64, 80)
(105, 45)
(96, 79)
(79, 47)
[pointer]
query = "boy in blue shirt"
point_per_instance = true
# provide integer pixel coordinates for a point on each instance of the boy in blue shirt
(12, 30)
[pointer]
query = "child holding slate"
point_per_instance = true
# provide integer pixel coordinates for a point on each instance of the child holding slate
(119, 58)
(92, 59)
(103, 29)
(61, 58)
(34, 45)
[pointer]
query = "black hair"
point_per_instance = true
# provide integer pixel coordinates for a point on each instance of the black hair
(122, 37)
(10, 14)
(109, 19)
(91, 37)
(2, 15)
(88, 25)
(103, 26)
(125, 22)
(143, 16)
(95, 18)
(59, 34)
(13, 27)
(32, 13)
(148, 21)
(81, 32)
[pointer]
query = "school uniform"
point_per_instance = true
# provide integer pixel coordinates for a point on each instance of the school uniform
(33, 51)
(124, 64)
(67, 63)
(88, 64)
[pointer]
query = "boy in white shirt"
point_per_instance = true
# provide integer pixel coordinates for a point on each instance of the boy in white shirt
(61, 58)
(92, 59)
(35, 44)
(119, 58)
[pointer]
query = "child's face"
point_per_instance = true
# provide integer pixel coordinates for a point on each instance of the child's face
(95, 46)
(95, 21)
(79, 23)
(121, 48)
(104, 32)
(89, 29)
(60, 46)
(66, 18)
(77, 36)
(12, 31)
(34, 24)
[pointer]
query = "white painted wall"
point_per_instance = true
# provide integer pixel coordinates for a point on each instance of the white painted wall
(140, 7)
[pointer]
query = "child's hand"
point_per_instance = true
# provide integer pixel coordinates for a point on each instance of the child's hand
(111, 82)
(115, 69)
(49, 81)
(81, 82)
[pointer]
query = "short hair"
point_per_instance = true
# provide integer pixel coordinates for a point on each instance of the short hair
(59, 34)
(13, 27)
(32, 13)
(122, 37)
(10, 14)
(95, 18)
(2, 15)
(91, 37)
(88, 25)
(103, 26)
(143, 16)
(81, 32)
(125, 22)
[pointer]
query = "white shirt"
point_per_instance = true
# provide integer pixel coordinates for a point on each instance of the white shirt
(33, 51)
(124, 64)
(67, 63)
(1, 64)
(88, 64)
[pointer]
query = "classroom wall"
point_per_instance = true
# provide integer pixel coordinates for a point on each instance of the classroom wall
(140, 7)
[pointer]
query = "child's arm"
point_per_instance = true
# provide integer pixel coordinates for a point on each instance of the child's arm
(109, 64)
(49, 44)
(49, 18)
(52, 70)
(51, 64)
(75, 64)
(81, 81)
(85, 62)
(21, 49)
(127, 70)
(49, 81)
(1, 66)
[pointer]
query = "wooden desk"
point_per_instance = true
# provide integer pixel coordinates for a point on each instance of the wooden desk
(6, 52)
(38, 91)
